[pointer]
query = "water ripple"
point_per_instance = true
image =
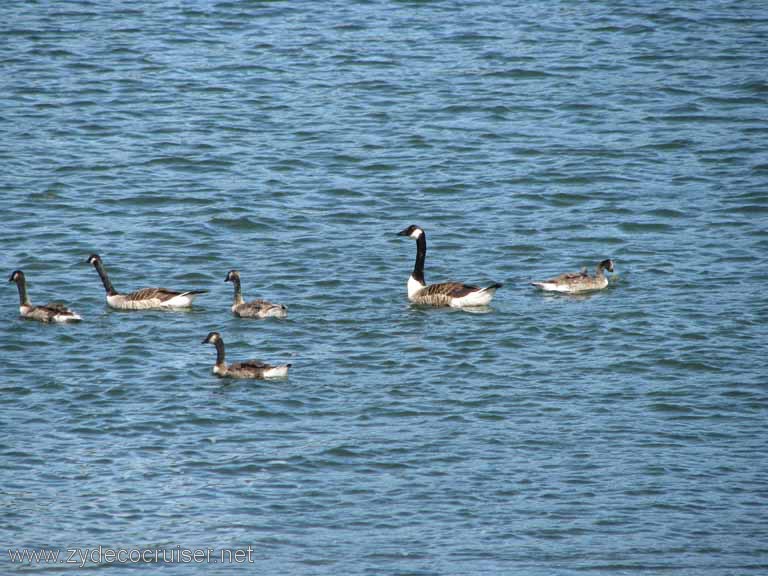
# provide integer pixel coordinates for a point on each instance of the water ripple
(616, 431)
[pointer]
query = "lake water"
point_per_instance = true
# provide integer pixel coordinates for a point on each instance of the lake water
(619, 433)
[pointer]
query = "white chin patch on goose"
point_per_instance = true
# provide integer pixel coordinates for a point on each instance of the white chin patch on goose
(417, 233)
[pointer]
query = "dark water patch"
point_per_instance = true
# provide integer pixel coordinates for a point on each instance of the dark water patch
(240, 224)
(676, 144)
(733, 100)
(670, 408)
(666, 213)
(644, 227)
(754, 86)
(518, 73)
(705, 119)
(568, 199)
(745, 209)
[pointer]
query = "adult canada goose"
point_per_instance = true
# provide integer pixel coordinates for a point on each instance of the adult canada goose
(247, 369)
(144, 299)
(454, 294)
(572, 282)
(51, 312)
(254, 308)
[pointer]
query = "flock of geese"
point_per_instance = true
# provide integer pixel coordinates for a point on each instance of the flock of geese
(451, 294)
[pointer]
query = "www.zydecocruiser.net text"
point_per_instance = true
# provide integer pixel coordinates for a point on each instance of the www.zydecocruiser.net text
(102, 555)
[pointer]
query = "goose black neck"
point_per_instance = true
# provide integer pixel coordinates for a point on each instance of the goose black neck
(105, 279)
(238, 291)
(23, 296)
(219, 352)
(421, 253)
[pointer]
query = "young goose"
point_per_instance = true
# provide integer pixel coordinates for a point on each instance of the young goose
(453, 294)
(573, 282)
(254, 308)
(247, 369)
(51, 312)
(144, 299)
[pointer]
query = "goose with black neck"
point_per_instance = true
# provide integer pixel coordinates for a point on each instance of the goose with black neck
(452, 294)
(145, 298)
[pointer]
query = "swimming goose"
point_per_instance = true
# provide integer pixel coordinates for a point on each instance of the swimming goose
(247, 369)
(254, 308)
(144, 299)
(453, 294)
(573, 282)
(51, 312)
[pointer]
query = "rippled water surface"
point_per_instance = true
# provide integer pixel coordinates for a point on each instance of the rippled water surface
(618, 433)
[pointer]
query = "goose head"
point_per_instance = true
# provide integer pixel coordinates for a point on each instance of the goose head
(93, 259)
(607, 265)
(232, 276)
(412, 231)
(16, 276)
(212, 338)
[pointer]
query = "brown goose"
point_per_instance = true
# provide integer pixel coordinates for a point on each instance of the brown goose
(247, 369)
(453, 294)
(51, 312)
(144, 299)
(573, 282)
(254, 308)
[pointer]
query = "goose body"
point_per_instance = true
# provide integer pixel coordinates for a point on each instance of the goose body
(145, 298)
(51, 312)
(573, 282)
(249, 369)
(453, 294)
(254, 308)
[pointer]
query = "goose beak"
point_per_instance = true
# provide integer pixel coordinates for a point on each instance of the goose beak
(403, 232)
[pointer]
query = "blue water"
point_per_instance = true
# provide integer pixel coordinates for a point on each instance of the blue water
(618, 433)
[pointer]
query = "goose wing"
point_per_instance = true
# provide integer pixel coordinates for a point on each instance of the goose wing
(258, 305)
(57, 310)
(250, 365)
(161, 294)
(259, 309)
(569, 277)
(53, 311)
(450, 289)
(56, 307)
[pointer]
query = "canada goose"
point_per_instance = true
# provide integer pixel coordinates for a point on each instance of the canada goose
(573, 282)
(247, 369)
(454, 294)
(51, 312)
(254, 308)
(144, 299)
